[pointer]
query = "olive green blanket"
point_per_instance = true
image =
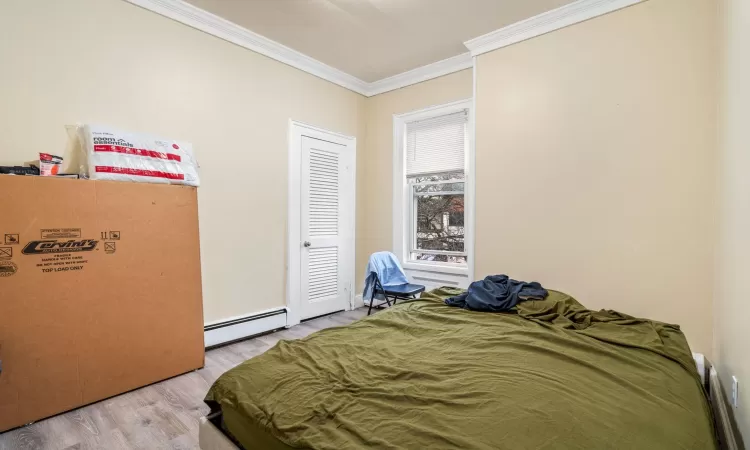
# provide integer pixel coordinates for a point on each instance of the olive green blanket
(423, 375)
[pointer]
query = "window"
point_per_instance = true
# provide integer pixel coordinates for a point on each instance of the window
(436, 149)
(432, 194)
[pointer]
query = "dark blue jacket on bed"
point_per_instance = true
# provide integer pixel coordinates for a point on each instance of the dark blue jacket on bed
(496, 293)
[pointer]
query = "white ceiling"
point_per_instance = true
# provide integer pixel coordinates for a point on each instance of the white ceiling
(375, 39)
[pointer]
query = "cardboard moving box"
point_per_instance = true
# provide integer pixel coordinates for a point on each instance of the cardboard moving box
(100, 291)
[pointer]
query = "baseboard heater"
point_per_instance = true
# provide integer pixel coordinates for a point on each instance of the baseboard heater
(243, 327)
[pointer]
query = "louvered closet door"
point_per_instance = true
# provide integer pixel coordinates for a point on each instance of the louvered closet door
(327, 226)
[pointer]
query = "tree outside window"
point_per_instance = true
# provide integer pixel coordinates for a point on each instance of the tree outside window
(438, 205)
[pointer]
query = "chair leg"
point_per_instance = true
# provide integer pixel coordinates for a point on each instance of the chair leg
(372, 299)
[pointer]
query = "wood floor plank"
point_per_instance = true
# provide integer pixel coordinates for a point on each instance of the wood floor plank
(164, 415)
(58, 432)
(26, 438)
(117, 440)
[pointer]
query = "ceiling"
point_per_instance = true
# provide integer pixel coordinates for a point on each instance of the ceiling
(375, 39)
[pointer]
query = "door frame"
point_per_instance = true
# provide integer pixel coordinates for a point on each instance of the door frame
(298, 129)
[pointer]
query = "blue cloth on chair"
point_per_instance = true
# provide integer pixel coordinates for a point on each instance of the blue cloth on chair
(388, 270)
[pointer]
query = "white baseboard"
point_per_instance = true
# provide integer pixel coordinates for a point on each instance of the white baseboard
(358, 302)
(222, 332)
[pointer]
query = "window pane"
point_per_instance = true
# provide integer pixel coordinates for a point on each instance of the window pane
(438, 258)
(451, 176)
(442, 187)
(435, 230)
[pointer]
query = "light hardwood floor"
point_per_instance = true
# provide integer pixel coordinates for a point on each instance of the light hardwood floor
(161, 416)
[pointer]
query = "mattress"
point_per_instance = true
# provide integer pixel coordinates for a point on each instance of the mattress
(211, 437)
(552, 374)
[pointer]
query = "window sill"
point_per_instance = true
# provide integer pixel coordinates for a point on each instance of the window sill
(437, 267)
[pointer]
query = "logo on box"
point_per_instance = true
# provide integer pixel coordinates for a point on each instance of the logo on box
(7, 268)
(40, 247)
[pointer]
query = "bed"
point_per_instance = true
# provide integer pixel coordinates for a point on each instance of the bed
(425, 375)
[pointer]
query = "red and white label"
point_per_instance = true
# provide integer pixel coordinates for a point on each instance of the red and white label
(140, 172)
(137, 152)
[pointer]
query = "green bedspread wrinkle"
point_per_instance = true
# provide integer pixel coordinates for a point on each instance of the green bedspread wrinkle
(423, 375)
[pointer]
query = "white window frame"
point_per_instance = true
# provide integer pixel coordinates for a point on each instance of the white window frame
(402, 192)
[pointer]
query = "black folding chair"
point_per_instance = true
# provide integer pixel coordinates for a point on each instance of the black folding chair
(402, 291)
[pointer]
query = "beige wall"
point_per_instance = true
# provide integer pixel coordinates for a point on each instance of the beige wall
(595, 153)
(375, 165)
(596, 159)
(731, 312)
(109, 62)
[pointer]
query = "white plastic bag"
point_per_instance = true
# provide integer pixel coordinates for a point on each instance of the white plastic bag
(104, 153)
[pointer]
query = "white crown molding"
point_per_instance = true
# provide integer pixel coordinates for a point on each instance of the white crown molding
(214, 25)
(555, 19)
(552, 20)
(420, 74)
(202, 20)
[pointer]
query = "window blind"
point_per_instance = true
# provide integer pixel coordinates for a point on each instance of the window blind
(436, 145)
